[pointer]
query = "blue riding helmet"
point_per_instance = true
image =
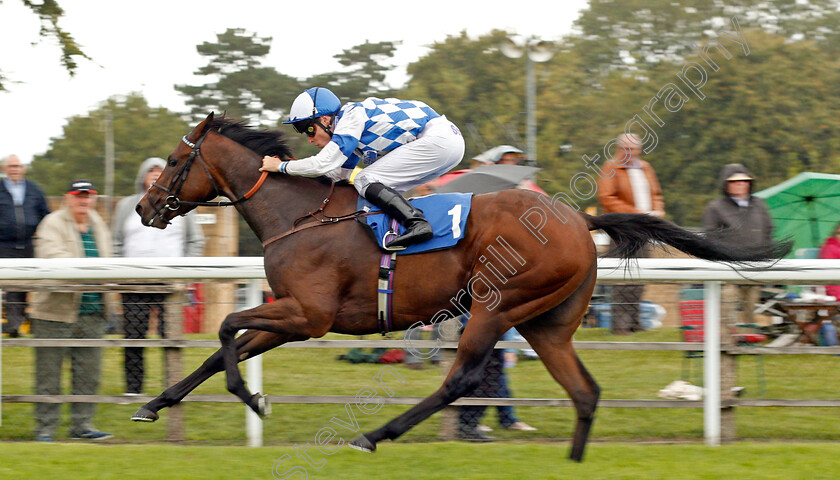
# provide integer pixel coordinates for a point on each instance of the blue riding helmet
(313, 103)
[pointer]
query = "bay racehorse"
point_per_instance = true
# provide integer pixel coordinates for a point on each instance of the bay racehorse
(325, 279)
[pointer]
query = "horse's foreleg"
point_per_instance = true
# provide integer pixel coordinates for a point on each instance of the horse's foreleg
(473, 353)
(249, 344)
(282, 317)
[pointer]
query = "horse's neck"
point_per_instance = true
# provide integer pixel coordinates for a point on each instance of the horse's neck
(284, 199)
(281, 200)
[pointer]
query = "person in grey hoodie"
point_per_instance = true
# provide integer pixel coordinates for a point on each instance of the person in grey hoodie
(183, 238)
(737, 216)
(740, 218)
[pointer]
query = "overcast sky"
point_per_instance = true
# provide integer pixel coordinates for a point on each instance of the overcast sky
(149, 46)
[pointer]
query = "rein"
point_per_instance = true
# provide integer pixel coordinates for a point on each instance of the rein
(319, 218)
(172, 201)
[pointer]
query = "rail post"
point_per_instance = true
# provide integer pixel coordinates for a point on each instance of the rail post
(253, 371)
(174, 362)
(711, 363)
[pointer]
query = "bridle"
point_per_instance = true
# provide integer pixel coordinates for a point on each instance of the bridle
(172, 201)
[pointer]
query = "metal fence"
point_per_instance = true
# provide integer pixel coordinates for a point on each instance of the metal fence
(111, 275)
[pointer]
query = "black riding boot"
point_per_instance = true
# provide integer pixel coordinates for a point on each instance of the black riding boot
(392, 203)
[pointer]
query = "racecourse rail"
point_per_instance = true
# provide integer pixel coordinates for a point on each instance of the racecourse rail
(34, 274)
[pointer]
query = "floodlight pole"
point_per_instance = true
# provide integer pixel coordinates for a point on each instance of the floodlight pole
(534, 52)
(109, 164)
(531, 109)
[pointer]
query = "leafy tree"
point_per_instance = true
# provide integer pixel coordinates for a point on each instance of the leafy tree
(365, 68)
(241, 86)
(632, 35)
(475, 86)
(50, 13)
(139, 132)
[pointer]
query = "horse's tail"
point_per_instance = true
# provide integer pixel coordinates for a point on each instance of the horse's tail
(633, 231)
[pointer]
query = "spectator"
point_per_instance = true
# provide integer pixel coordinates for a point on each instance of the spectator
(182, 238)
(629, 185)
(499, 155)
(413, 361)
(493, 384)
(742, 219)
(22, 207)
(73, 231)
(831, 249)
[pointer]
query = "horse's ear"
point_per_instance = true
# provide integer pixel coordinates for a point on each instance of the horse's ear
(202, 127)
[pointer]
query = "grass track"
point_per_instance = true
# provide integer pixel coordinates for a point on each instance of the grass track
(435, 460)
(622, 374)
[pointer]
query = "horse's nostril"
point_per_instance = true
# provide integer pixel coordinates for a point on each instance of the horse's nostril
(139, 210)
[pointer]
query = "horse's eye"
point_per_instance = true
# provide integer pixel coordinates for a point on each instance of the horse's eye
(172, 163)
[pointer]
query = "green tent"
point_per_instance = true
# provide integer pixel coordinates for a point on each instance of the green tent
(805, 208)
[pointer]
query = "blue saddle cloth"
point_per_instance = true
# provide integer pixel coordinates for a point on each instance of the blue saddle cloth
(446, 212)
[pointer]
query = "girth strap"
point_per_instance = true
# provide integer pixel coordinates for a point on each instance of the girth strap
(387, 265)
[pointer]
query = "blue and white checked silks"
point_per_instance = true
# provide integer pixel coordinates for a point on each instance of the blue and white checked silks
(410, 143)
(369, 129)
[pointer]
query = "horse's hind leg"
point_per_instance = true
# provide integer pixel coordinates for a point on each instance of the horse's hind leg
(473, 353)
(249, 344)
(550, 336)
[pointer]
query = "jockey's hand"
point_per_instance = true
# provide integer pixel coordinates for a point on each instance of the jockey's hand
(270, 164)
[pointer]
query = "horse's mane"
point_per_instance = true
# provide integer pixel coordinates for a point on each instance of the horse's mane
(262, 141)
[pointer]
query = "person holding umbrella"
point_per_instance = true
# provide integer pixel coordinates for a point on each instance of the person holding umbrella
(488, 172)
(742, 219)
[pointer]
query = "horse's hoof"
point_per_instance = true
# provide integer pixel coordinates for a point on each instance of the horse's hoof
(261, 405)
(144, 415)
(362, 443)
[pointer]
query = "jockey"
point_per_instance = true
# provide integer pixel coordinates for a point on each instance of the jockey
(402, 143)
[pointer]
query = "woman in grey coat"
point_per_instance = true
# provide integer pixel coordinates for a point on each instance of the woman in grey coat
(183, 238)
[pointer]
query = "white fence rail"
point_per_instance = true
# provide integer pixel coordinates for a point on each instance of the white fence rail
(686, 270)
(36, 272)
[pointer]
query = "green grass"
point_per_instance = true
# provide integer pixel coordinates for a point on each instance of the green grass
(295, 371)
(435, 460)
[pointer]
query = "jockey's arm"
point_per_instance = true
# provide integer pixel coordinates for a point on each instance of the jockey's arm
(325, 161)
(344, 141)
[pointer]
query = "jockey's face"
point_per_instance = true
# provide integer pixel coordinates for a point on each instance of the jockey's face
(321, 138)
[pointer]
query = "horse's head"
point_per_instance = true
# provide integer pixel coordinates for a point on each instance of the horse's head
(184, 180)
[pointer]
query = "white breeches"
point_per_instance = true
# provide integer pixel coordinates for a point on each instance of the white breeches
(437, 149)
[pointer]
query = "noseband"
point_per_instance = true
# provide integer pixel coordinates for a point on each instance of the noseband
(172, 201)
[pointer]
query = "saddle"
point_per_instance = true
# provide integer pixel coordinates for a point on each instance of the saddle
(447, 213)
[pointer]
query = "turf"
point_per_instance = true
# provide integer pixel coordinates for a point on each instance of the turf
(296, 371)
(435, 460)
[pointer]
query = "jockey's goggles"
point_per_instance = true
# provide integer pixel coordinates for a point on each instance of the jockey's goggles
(306, 127)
